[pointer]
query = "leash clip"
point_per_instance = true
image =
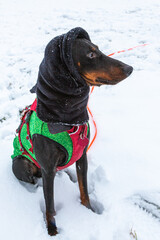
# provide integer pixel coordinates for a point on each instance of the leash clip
(82, 134)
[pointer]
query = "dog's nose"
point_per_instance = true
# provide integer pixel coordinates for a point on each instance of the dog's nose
(128, 70)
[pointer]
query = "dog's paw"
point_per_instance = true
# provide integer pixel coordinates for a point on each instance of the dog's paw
(71, 174)
(52, 229)
(29, 186)
(97, 207)
(94, 206)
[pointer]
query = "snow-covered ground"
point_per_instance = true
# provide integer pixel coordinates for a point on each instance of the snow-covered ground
(124, 162)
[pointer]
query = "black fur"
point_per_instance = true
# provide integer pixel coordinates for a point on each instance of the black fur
(62, 94)
(71, 64)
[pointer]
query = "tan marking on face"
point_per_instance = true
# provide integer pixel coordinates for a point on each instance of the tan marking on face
(114, 74)
(91, 77)
(79, 64)
(93, 49)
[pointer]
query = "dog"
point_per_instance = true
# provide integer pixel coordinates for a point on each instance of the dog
(54, 130)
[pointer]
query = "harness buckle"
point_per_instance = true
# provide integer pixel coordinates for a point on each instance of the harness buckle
(83, 134)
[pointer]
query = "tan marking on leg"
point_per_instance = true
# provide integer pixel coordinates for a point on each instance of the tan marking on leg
(84, 198)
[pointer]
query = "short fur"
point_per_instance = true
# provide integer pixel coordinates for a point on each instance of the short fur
(88, 66)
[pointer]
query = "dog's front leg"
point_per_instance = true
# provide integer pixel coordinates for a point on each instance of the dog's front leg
(48, 156)
(48, 179)
(81, 167)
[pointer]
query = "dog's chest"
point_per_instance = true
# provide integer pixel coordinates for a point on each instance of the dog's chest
(73, 140)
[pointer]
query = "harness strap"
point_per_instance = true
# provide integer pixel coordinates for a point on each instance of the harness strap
(29, 138)
(78, 134)
(25, 119)
(34, 105)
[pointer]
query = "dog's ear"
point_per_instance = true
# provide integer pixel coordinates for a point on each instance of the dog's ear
(33, 89)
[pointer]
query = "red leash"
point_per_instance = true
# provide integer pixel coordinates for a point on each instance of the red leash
(95, 126)
(24, 119)
(142, 45)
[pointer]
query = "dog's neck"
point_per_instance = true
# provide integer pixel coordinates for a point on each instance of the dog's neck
(62, 93)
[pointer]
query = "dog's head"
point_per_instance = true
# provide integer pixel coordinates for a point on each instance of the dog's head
(95, 67)
(70, 65)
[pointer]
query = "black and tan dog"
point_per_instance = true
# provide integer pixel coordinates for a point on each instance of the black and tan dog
(56, 125)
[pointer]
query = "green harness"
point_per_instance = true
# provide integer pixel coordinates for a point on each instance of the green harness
(73, 142)
(36, 126)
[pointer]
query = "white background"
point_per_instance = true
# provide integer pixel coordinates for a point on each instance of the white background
(124, 162)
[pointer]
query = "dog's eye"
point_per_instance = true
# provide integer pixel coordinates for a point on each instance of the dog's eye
(91, 55)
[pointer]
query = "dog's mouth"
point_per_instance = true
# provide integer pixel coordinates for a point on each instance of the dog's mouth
(101, 81)
(104, 78)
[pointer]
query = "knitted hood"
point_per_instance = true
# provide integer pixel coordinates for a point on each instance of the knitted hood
(62, 94)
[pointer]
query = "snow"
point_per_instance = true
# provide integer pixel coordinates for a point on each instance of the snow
(124, 162)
